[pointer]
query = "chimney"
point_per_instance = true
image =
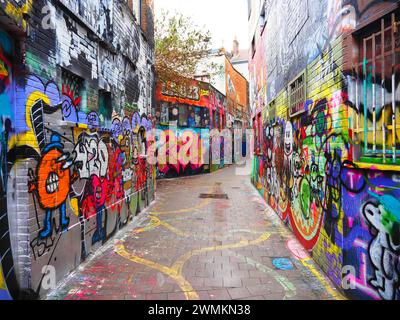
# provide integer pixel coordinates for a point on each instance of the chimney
(235, 50)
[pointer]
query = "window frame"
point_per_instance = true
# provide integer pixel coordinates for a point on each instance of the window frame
(107, 96)
(303, 75)
(363, 127)
(268, 107)
(82, 92)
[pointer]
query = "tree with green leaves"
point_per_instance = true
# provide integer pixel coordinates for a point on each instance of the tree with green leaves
(180, 48)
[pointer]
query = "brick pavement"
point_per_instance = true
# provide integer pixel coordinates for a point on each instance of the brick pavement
(185, 247)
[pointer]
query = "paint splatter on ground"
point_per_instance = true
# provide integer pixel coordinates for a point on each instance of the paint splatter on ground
(283, 264)
(211, 249)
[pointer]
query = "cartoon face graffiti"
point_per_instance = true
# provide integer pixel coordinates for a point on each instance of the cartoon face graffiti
(99, 190)
(54, 187)
(135, 158)
(269, 142)
(52, 183)
(288, 139)
(385, 247)
(91, 156)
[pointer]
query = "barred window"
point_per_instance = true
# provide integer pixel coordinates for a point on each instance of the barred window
(73, 87)
(377, 92)
(297, 94)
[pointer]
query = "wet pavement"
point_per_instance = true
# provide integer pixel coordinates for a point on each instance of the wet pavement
(208, 237)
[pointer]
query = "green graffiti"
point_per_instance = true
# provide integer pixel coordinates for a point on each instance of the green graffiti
(305, 196)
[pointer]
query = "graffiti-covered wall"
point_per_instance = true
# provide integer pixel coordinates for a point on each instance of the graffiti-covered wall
(76, 96)
(343, 207)
(188, 116)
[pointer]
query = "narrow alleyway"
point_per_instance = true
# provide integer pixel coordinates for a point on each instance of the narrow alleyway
(190, 246)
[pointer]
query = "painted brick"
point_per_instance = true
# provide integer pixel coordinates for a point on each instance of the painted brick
(99, 43)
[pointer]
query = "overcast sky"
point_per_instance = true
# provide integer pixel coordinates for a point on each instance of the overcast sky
(224, 18)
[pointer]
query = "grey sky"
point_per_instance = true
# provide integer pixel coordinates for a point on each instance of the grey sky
(224, 18)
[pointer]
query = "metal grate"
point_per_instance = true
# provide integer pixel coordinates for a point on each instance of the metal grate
(213, 196)
(376, 92)
(297, 94)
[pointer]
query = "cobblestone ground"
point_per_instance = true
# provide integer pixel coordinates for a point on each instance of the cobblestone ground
(188, 247)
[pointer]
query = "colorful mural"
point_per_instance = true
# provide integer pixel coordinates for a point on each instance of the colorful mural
(186, 115)
(7, 275)
(74, 122)
(343, 210)
(185, 150)
(85, 182)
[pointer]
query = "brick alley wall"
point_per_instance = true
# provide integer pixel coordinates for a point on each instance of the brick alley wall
(341, 206)
(77, 81)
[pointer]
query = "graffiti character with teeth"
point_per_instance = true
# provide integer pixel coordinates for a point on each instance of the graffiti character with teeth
(52, 183)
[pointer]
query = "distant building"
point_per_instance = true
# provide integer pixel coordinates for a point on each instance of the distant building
(240, 59)
(193, 108)
(231, 82)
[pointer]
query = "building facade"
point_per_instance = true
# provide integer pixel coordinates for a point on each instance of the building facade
(231, 83)
(195, 109)
(324, 96)
(77, 93)
(240, 59)
(237, 93)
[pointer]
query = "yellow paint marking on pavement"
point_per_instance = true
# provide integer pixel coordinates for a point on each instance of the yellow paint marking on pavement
(156, 222)
(175, 272)
(153, 224)
(308, 263)
(173, 229)
(178, 265)
(199, 206)
(186, 287)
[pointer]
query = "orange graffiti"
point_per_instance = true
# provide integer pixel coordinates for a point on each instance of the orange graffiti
(53, 182)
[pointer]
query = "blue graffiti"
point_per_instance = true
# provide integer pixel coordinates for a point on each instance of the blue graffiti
(283, 264)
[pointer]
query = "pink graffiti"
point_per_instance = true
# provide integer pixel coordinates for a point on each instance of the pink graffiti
(297, 249)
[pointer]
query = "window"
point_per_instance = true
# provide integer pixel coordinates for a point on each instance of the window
(136, 7)
(270, 113)
(105, 107)
(183, 115)
(297, 95)
(162, 113)
(259, 131)
(205, 117)
(376, 77)
(73, 87)
(173, 115)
